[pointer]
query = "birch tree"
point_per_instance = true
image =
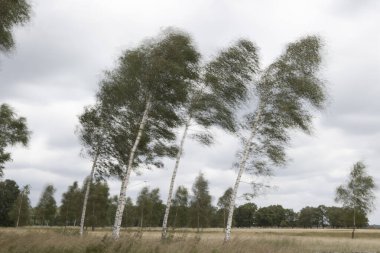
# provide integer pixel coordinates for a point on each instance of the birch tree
(93, 138)
(223, 85)
(357, 194)
(285, 96)
(143, 95)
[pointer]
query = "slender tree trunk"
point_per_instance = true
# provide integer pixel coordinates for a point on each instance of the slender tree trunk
(19, 210)
(353, 229)
(224, 219)
(170, 194)
(198, 222)
(125, 180)
(247, 149)
(89, 182)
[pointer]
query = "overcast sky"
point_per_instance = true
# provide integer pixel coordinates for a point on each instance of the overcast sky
(61, 54)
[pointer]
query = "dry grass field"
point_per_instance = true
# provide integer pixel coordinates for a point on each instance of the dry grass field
(51, 240)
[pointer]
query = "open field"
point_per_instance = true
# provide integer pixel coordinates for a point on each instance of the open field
(210, 240)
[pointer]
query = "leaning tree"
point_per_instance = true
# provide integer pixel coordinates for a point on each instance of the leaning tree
(357, 194)
(223, 85)
(93, 137)
(285, 95)
(141, 98)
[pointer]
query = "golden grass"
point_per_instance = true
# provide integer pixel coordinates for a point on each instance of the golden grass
(210, 240)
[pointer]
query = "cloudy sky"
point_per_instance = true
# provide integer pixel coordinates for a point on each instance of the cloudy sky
(61, 54)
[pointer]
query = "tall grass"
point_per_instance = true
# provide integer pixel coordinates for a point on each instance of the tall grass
(249, 240)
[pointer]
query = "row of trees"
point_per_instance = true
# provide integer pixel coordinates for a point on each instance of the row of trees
(193, 209)
(163, 85)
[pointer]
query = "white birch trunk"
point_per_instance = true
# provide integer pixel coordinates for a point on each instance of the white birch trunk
(170, 194)
(85, 200)
(125, 180)
(243, 161)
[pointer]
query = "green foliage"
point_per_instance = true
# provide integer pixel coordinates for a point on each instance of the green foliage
(9, 192)
(71, 207)
(244, 215)
(290, 219)
(358, 191)
(341, 217)
(12, 12)
(287, 93)
(149, 208)
(224, 200)
(223, 204)
(159, 71)
(13, 130)
(231, 72)
(270, 216)
(223, 87)
(21, 210)
(130, 216)
(309, 217)
(96, 212)
(357, 194)
(179, 217)
(46, 209)
(200, 205)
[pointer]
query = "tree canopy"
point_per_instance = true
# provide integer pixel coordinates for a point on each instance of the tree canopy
(12, 12)
(357, 194)
(13, 130)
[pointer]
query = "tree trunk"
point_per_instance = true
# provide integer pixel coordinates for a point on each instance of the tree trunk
(198, 222)
(85, 200)
(353, 229)
(170, 194)
(125, 180)
(247, 149)
(19, 210)
(224, 219)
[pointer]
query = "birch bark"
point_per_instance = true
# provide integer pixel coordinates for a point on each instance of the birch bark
(243, 161)
(89, 182)
(170, 194)
(125, 180)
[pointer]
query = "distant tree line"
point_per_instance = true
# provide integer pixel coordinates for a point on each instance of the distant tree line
(190, 209)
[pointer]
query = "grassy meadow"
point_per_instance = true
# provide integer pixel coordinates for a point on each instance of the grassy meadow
(51, 240)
